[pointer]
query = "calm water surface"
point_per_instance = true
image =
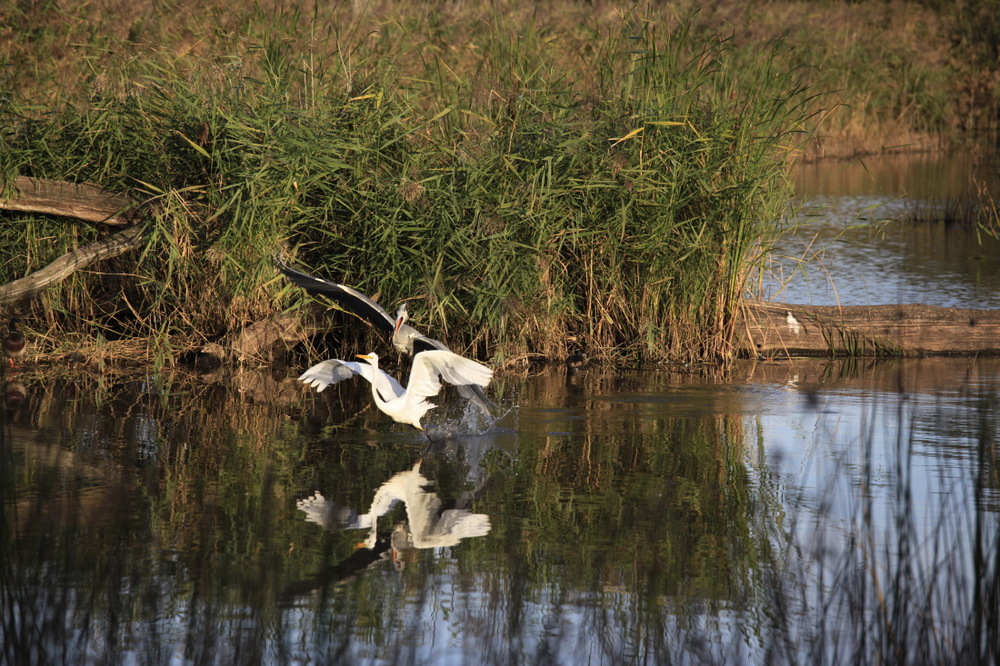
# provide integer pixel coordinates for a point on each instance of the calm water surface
(855, 243)
(752, 515)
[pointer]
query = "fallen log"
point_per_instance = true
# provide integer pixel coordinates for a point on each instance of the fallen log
(57, 271)
(777, 330)
(79, 201)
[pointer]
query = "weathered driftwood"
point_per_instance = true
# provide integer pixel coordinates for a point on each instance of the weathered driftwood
(83, 202)
(57, 271)
(780, 329)
(256, 340)
(58, 197)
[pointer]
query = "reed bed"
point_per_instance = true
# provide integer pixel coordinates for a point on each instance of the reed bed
(903, 74)
(523, 209)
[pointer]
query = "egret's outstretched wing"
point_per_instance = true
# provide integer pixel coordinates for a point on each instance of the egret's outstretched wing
(334, 370)
(350, 299)
(409, 340)
(430, 367)
(405, 339)
(423, 343)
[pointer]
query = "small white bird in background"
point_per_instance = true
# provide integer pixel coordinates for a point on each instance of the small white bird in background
(404, 405)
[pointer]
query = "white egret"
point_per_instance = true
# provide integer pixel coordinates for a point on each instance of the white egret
(404, 405)
(405, 339)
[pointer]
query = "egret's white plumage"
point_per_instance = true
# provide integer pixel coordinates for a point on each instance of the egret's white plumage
(405, 339)
(407, 405)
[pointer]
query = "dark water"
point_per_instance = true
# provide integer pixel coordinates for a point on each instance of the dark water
(801, 512)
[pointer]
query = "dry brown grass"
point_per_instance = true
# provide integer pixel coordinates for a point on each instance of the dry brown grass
(896, 76)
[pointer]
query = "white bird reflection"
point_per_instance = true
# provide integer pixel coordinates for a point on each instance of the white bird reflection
(426, 525)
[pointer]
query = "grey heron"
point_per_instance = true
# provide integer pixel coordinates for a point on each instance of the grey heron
(405, 339)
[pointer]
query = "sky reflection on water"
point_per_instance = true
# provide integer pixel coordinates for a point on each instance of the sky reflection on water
(851, 243)
(703, 516)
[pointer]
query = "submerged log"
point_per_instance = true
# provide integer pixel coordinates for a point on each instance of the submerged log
(255, 341)
(783, 330)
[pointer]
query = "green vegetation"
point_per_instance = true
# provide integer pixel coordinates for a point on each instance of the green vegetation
(514, 209)
(522, 176)
(898, 73)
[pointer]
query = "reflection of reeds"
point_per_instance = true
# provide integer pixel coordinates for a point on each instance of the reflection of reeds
(978, 211)
(633, 531)
(886, 584)
(951, 211)
(129, 500)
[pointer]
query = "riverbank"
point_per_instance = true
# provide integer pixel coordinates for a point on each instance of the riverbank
(528, 180)
(515, 212)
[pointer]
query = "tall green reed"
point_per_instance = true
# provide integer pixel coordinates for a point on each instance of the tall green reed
(517, 207)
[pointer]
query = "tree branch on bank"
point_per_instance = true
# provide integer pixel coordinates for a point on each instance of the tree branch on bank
(57, 271)
(80, 201)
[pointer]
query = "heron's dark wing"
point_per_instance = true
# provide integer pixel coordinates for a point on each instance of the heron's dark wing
(476, 394)
(423, 343)
(350, 299)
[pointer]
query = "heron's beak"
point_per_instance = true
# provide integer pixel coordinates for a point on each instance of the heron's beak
(399, 322)
(363, 356)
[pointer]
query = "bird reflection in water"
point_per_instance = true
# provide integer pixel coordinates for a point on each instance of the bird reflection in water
(426, 524)
(14, 394)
